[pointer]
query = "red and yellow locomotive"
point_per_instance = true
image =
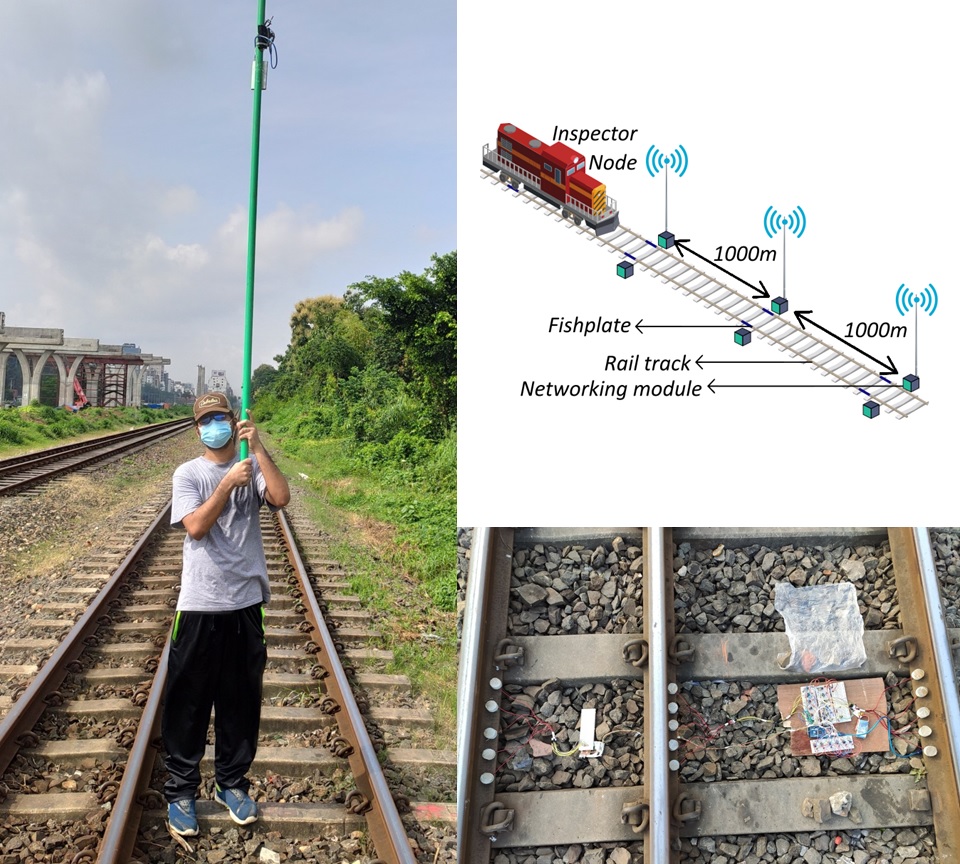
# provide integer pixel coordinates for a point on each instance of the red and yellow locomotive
(554, 172)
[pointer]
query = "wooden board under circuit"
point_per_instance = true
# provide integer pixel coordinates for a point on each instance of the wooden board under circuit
(866, 693)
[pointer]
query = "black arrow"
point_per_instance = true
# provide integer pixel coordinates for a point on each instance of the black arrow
(713, 387)
(700, 361)
(762, 289)
(803, 315)
(698, 326)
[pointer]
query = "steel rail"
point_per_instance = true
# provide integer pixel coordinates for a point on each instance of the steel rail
(63, 463)
(25, 460)
(386, 828)
(736, 308)
(919, 607)
(120, 836)
(735, 311)
(656, 544)
(468, 684)
(28, 708)
(479, 694)
(942, 649)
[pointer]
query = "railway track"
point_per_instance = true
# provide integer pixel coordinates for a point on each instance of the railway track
(81, 697)
(629, 702)
(21, 473)
(683, 275)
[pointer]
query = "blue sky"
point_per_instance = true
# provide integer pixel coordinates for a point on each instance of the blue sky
(125, 161)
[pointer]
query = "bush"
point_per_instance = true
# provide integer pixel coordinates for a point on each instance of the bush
(10, 434)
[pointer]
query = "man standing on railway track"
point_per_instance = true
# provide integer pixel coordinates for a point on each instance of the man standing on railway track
(217, 646)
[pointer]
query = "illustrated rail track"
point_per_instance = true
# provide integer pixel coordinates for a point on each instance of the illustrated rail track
(681, 274)
(667, 641)
(19, 473)
(80, 731)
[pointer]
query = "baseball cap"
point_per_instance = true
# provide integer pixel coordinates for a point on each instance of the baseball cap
(210, 403)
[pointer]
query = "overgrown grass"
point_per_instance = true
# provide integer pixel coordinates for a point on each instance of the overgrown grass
(37, 426)
(395, 533)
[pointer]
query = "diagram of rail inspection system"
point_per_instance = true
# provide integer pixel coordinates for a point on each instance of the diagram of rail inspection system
(557, 180)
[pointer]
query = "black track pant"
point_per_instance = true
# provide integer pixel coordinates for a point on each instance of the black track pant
(216, 659)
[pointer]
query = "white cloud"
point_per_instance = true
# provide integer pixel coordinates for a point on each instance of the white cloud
(178, 201)
(286, 239)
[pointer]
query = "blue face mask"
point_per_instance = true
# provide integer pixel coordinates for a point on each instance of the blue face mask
(216, 433)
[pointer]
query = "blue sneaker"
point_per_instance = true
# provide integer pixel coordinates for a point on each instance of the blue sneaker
(183, 817)
(242, 809)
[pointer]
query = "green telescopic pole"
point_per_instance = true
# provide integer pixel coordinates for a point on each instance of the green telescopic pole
(252, 222)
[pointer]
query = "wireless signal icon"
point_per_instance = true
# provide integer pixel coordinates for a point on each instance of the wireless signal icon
(657, 161)
(907, 299)
(795, 221)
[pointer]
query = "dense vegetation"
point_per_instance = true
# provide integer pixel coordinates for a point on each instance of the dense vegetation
(39, 425)
(365, 396)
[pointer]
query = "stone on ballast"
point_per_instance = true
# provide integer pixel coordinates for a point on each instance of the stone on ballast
(619, 856)
(840, 803)
(532, 594)
(853, 570)
(736, 706)
(554, 597)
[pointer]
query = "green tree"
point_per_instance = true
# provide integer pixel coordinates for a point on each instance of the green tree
(263, 377)
(420, 313)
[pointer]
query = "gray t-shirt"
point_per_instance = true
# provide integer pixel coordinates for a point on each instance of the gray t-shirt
(225, 570)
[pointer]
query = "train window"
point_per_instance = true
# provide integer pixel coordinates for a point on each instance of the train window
(558, 176)
(571, 169)
(506, 143)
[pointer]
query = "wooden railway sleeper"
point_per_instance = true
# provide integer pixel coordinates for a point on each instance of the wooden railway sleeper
(681, 813)
(487, 813)
(636, 814)
(635, 652)
(903, 649)
(508, 654)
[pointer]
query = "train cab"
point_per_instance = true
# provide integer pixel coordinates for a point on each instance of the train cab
(555, 172)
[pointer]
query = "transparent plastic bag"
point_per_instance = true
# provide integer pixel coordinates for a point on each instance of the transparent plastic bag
(824, 626)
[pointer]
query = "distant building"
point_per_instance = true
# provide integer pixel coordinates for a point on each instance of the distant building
(217, 383)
